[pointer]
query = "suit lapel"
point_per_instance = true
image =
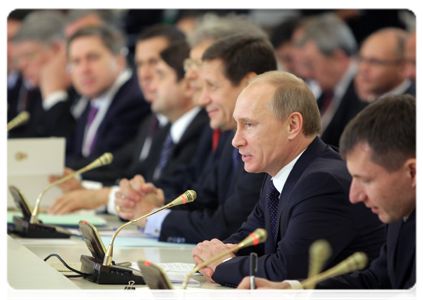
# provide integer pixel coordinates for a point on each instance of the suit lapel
(314, 150)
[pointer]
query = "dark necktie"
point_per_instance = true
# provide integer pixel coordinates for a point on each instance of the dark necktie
(327, 99)
(272, 204)
(235, 156)
(166, 150)
(91, 115)
(215, 138)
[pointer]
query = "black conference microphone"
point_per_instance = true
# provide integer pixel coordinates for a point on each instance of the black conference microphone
(100, 266)
(32, 227)
(257, 237)
(19, 120)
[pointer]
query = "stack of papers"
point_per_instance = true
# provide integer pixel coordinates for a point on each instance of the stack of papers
(176, 272)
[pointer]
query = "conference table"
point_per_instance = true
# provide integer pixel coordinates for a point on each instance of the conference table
(29, 277)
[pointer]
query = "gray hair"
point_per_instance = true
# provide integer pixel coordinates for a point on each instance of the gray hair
(213, 27)
(106, 16)
(45, 27)
(330, 33)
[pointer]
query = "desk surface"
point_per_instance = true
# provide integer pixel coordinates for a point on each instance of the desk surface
(32, 252)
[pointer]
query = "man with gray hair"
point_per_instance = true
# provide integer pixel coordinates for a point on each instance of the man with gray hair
(328, 46)
(46, 93)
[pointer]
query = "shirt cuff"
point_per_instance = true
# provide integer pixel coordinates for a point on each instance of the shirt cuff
(111, 206)
(54, 98)
(154, 223)
(295, 284)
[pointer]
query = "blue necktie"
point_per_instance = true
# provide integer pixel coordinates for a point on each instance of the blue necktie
(235, 155)
(166, 150)
(272, 204)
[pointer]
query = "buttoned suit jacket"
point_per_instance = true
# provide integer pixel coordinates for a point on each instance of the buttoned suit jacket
(226, 195)
(313, 205)
(395, 268)
(119, 125)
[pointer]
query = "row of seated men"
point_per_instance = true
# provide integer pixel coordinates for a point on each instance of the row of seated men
(195, 148)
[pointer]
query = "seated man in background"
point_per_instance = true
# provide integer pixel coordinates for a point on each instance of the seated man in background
(173, 145)
(410, 56)
(382, 65)
(46, 92)
(328, 48)
(379, 145)
(112, 103)
(226, 194)
(303, 198)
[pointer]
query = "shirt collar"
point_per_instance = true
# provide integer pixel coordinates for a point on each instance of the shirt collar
(281, 177)
(179, 127)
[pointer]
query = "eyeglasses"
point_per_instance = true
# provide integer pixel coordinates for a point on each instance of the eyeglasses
(378, 62)
(195, 64)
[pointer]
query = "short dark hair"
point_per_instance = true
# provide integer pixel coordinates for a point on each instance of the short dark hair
(242, 54)
(283, 32)
(169, 32)
(388, 126)
(174, 56)
(112, 39)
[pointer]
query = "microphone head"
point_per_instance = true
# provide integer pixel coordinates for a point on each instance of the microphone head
(357, 261)
(257, 237)
(186, 197)
(106, 158)
(320, 250)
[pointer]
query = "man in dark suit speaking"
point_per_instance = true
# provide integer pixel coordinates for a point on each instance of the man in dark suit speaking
(380, 148)
(303, 198)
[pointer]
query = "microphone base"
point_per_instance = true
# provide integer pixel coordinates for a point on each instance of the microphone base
(26, 229)
(98, 273)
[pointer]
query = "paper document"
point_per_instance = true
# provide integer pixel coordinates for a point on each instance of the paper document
(176, 272)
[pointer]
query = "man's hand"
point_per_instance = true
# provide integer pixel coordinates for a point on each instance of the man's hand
(136, 198)
(207, 250)
(69, 185)
(264, 289)
(53, 74)
(79, 199)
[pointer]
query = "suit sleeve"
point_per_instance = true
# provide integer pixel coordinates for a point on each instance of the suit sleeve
(220, 222)
(319, 210)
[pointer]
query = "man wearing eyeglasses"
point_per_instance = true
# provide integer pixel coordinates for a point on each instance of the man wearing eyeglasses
(382, 64)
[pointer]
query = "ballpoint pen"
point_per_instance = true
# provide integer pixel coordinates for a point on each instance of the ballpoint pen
(253, 270)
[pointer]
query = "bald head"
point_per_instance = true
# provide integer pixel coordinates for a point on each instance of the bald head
(410, 56)
(382, 61)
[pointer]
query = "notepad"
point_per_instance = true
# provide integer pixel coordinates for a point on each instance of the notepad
(69, 220)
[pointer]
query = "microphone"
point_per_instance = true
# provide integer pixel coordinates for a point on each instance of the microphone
(34, 228)
(319, 251)
(104, 271)
(19, 120)
(355, 262)
(257, 237)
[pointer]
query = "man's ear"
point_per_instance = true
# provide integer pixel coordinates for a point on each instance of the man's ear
(410, 167)
(295, 125)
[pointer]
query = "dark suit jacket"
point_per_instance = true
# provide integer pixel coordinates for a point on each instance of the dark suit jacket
(225, 197)
(118, 127)
(57, 121)
(181, 154)
(394, 269)
(313, 205)
(349, 107)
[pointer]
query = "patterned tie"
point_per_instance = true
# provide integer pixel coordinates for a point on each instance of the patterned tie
(166, 150)
(272, 203)
(91, 115)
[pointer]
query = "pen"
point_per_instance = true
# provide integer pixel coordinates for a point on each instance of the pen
(253, 270)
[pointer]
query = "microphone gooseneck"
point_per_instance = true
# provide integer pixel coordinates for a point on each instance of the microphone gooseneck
(258, 236)
(186, 197)
(19, 120)
(355, 262)
(103, 160)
